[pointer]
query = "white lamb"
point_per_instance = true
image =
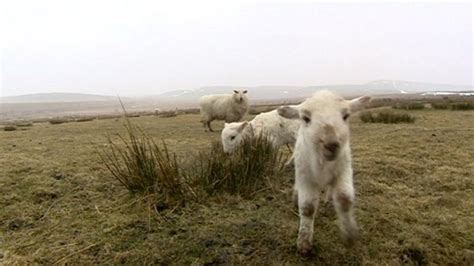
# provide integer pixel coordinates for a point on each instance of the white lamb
(227, 107)
(281, 131)
(323, 161)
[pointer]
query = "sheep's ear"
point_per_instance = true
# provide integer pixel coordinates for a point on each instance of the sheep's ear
(236, 91)
(245, 91)
(288, 112)
(358, 103)
(241, 127)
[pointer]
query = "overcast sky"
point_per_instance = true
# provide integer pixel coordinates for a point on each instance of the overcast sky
(146, 47)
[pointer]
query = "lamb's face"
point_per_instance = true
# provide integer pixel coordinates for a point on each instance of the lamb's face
(232, 135)
(239, 96)
(324, 121)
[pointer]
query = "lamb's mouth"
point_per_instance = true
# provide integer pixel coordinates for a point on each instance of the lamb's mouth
(330, 156)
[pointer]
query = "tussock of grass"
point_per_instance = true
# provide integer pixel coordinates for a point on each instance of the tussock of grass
(24, 124)
(380, 102)
(167, 114)
(409, 106)
(9, 128)
(57, 121)
(386, 117)
(103, 117)
(85, 119)
(462, 106)
(244, 172)
(142, 166)
(440, 106)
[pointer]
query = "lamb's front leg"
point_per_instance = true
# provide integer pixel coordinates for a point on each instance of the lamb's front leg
(343, 197)
(308, 199)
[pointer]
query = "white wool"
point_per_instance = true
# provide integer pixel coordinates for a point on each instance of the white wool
(322, 158)
(227, 107)
(280, 130)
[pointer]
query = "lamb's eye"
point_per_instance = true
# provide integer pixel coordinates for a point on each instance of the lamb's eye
(306, 119)
(232, 137)
(345, 116)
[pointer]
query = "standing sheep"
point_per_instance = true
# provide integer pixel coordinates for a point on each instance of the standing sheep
(323, 161)
(227, 107)
(281, 131)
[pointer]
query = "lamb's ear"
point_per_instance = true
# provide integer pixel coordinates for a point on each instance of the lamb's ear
(358, 103)
(241, 127)
(235, 91)
(288, 112)
(245, 91)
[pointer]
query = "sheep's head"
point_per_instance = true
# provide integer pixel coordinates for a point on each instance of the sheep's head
(324, 121)
(239, 96)
(232, 135)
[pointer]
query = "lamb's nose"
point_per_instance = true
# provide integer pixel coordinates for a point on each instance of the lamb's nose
(331, 146)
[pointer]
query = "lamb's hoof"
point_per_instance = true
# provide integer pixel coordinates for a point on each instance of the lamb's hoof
(304, 246)
(305, 249)
(351, 236)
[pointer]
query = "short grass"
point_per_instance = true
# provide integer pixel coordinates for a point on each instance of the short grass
(59, 204)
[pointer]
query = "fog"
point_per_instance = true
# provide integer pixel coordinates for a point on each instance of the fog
(147, 47)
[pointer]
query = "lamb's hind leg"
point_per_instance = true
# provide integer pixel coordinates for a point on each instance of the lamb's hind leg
(343, 197)
(308, 200)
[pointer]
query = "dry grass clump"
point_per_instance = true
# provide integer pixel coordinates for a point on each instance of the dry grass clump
(111, 116)
(142, 166)
(85, 119)
(409, 106)
(440, 106)
(167, 114)
(57, 121)
(462, 106)
(380, 102)
(244, 172)
(24, 124)
(386, 117)
(9, 128)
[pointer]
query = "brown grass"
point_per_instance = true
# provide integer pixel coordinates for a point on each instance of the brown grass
(414, 200)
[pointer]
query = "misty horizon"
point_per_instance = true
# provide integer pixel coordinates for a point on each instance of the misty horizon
(117, 48)
(459, 86)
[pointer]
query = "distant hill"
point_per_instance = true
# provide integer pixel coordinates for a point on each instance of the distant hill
(256, 94)
(260, 93)
(56, 98)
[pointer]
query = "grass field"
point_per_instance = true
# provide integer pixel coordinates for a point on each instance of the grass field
(414, 187)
